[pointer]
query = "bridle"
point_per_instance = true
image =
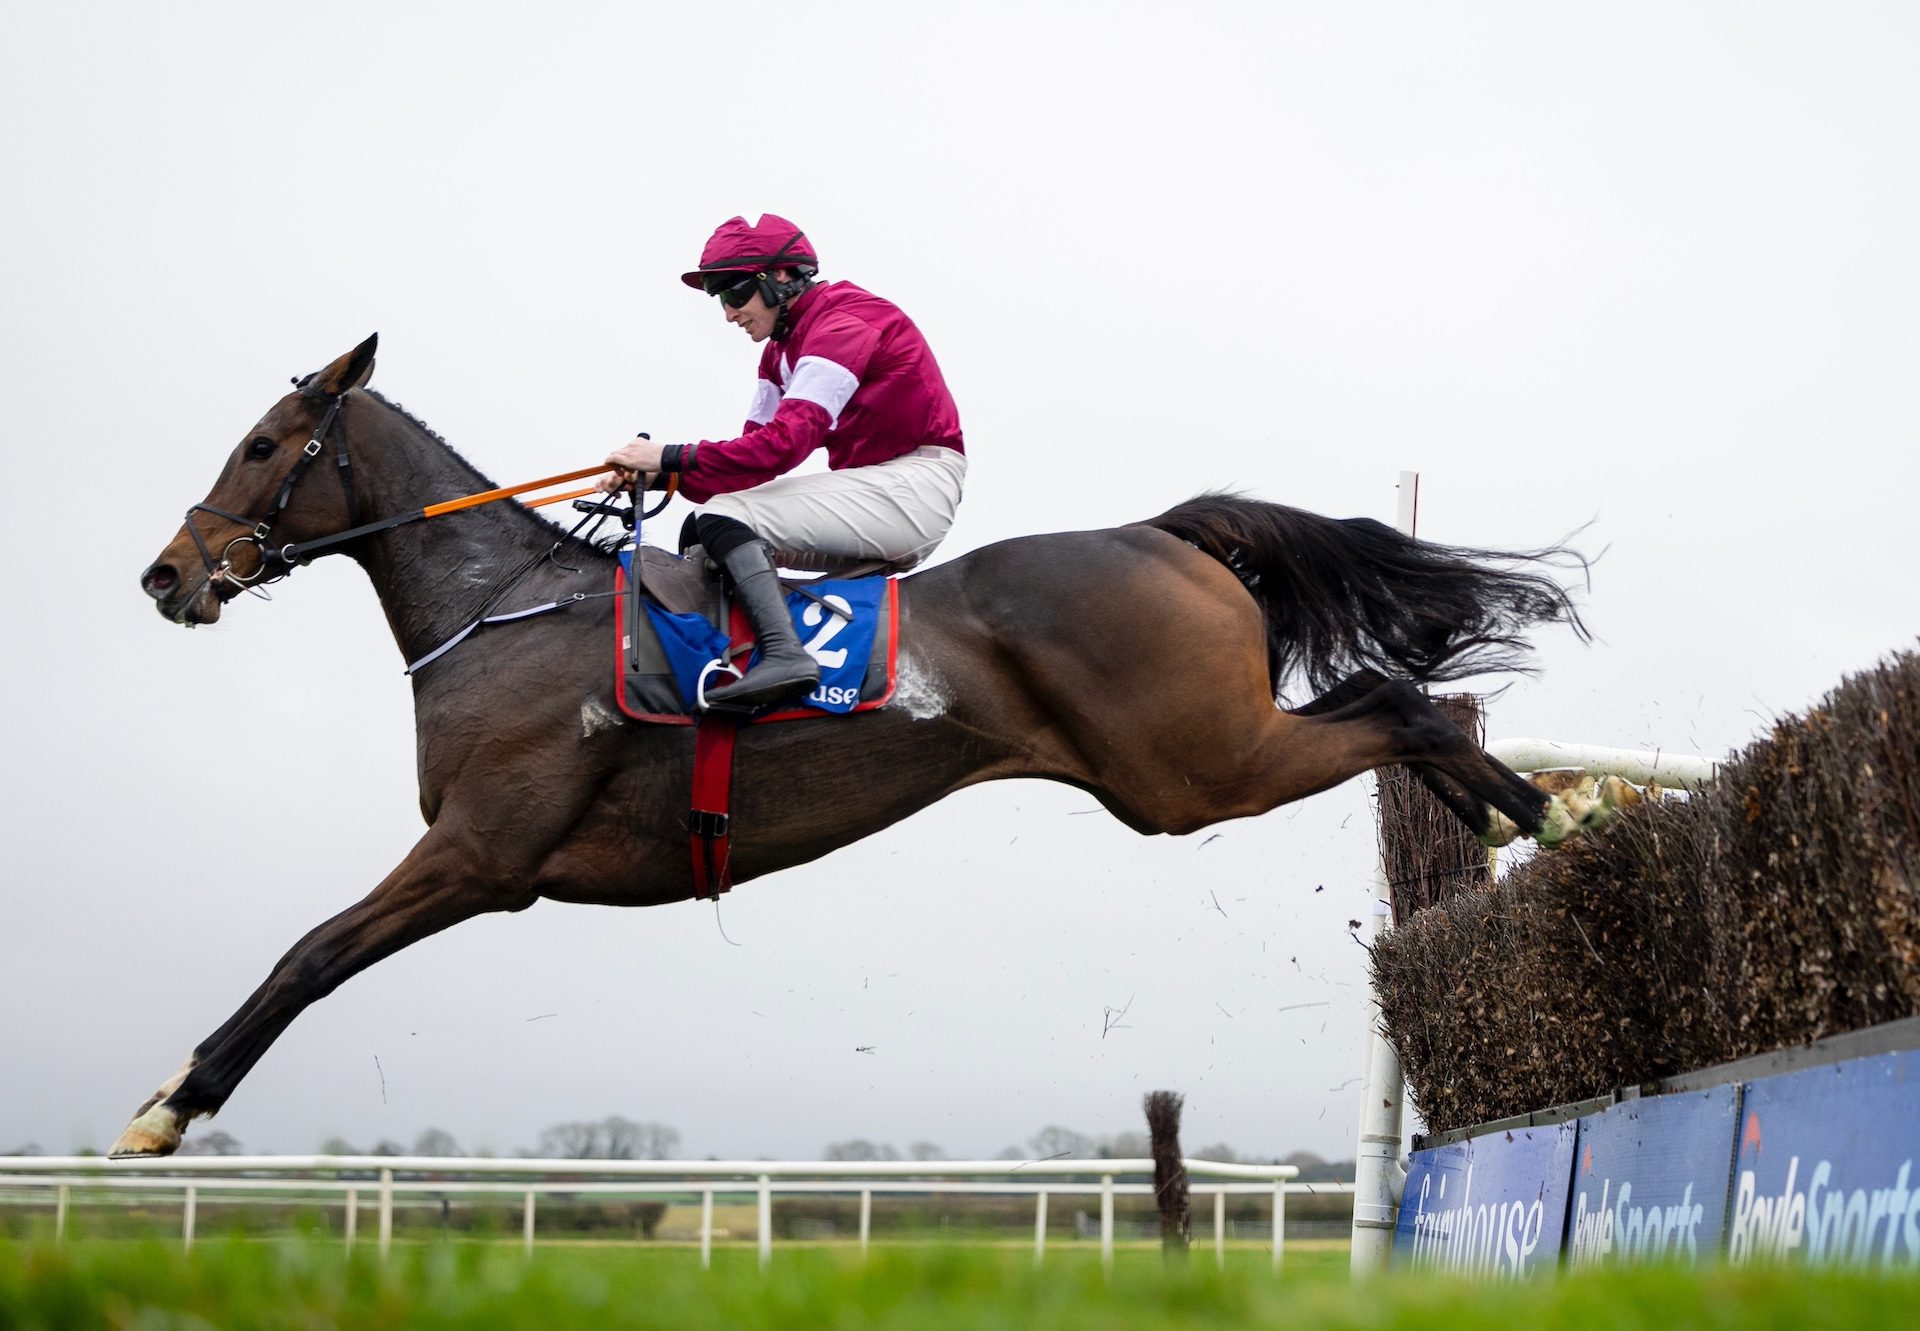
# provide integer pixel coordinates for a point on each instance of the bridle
(283, 561)
(261, 530)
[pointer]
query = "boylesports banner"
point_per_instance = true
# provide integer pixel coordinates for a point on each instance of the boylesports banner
(1650, 1179)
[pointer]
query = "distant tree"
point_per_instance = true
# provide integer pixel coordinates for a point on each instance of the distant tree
(570, 1141)
(859, 1148)
(611, 1138)
(338, 1146)
(1218, 1151)
(387, 1146)
(627, 1140)
(1010, 1153)
(1127, 1146)
(436, 1141)
(1054, 1140)
(28, 1148)
(925, 1151)
(217, 1142)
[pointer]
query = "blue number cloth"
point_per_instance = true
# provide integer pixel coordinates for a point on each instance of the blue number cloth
(841, 642)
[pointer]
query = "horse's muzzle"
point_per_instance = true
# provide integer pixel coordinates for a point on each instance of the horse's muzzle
(176, 600)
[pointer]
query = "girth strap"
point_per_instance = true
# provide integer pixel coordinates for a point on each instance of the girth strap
(709, 820)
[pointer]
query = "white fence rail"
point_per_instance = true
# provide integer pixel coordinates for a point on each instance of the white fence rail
(315, 1177)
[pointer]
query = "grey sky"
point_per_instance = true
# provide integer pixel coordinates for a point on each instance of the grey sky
(1645, 265)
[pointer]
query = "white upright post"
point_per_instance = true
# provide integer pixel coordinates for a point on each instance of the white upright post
(1106, 1223)
(1377, 1152)
(353, 1215)
(1039, 1226)
(866, 1218)
(1279, 1220)
(187, 1217)
(766, 1222)
(706, 1229)
(62, 1195)
(526, 1223)
(1220, 1228)
(386, 1212)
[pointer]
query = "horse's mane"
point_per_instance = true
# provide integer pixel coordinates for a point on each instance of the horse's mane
(548, 528)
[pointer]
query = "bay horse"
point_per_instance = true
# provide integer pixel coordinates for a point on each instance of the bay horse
(1142, 664)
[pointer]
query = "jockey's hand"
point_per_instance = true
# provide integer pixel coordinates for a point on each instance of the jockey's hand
(615, 482)
(640, 455)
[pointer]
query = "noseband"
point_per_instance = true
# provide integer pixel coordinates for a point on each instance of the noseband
(262, 529)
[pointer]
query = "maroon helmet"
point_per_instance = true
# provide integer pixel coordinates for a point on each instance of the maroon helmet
(760, 247)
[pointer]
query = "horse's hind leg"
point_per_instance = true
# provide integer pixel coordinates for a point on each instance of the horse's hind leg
(434, 887)
(1354, 696)
(1462, 775)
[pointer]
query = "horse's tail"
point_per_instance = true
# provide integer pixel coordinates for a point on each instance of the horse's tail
(1343, 594)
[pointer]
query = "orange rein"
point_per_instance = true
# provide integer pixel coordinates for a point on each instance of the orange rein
(509, 491)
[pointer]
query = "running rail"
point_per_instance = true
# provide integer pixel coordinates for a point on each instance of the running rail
(1676, 771)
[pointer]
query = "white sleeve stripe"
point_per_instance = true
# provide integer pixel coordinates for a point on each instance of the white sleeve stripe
(766, 401)
(823, 382)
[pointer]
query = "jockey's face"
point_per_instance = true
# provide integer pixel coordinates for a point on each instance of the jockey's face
(756, 316)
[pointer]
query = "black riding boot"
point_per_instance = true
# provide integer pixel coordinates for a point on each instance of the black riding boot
(785, 671)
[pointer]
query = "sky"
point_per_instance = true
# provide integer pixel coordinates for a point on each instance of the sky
(1641, 271)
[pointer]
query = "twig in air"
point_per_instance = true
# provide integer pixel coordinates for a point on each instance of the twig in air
(1322, 1002)
(1208, 842)
(543, 1016)
(1057, 1155)
(721, 926)
(383, 1078)
(1216, 903)
(1110, 1018)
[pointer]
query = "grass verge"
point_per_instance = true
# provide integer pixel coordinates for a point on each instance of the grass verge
(294, 1283)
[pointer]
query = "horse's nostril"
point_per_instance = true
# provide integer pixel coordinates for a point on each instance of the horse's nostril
(159, 580)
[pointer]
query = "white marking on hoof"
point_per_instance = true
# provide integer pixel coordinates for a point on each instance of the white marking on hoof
(1503, 831)
(156, 1132)
(1560, 824)
(594, 718)
(918, 691)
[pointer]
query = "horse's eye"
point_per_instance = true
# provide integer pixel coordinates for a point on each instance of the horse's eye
(260, 448)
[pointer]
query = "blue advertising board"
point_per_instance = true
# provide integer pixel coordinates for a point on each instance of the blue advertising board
(1489, 1206)
(1824, 1171)
(1650, 1179)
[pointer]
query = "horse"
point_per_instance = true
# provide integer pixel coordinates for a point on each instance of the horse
(1144, 664)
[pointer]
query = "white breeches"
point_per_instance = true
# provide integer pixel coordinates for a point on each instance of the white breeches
(895, 511)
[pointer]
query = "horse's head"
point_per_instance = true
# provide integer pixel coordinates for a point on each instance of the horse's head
(265, 498)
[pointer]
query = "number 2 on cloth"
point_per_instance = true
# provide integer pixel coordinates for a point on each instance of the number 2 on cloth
(816, 645)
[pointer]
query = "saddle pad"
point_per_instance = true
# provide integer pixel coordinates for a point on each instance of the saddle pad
(658, 662)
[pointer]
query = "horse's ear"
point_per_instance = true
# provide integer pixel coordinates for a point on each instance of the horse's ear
(351, 371)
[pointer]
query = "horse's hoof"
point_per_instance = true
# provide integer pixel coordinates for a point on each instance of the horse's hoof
(1559, 825)
(156, 1132)
(1501, 831)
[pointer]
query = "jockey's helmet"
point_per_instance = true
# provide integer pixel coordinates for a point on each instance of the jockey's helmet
(739, 251)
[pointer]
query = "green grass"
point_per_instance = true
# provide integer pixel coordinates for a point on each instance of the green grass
(295, 1283)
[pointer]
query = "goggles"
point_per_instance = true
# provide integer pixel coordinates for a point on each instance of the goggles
(733, 289)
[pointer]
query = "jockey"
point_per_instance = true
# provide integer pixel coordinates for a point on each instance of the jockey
(841, 369)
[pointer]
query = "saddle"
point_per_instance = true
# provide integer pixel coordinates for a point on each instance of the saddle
(669, 640)
(675, 627)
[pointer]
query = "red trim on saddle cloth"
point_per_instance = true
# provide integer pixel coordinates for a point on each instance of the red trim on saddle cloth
(741, 642)
(710, 812)
(709, 824)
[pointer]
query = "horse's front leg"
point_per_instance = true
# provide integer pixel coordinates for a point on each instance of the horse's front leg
(443, 881)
